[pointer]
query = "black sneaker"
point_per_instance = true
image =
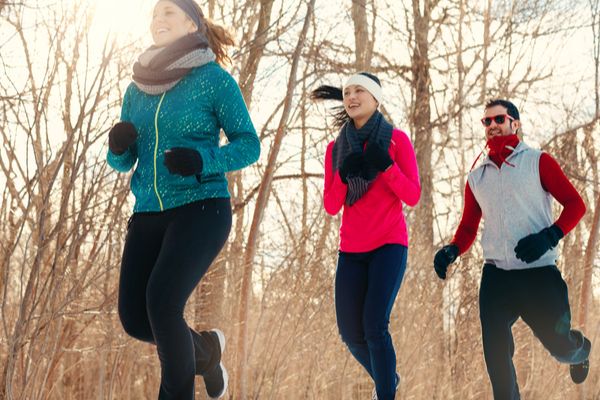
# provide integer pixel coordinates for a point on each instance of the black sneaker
(203, 340)
(579, 371)
(374, 394)
(216, 379)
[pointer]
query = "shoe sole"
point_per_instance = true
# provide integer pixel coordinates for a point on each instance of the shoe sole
(221, 337)
(579, 380)
(225, 383)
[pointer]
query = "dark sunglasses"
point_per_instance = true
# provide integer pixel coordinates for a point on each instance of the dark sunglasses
(498, 119)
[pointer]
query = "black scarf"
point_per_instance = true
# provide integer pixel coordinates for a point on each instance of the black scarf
(351, 140)
(159, 69)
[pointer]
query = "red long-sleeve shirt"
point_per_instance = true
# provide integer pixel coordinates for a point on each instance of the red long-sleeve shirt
(553, 180)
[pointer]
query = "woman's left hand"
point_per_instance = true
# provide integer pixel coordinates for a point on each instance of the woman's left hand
(183, 161)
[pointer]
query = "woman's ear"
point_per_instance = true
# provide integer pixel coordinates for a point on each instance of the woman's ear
(191, 25)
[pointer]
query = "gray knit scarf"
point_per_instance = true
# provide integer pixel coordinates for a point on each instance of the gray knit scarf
(352, 140)
(158, 69)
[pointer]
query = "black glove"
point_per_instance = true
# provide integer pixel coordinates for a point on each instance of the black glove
(378, 157)
(183, 161)
(352, 164)
(444, 257)
(533, 246)
(121, 136)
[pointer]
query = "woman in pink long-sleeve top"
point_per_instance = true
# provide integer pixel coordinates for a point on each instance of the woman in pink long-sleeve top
(370, 171)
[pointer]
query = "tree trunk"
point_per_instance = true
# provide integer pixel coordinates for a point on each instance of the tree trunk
(590, 254)
(591, 250)
(257, 49)
(361, 35)
(595, 11)
(486, 46)
(421, 242)
(422, 233)
(261, 204)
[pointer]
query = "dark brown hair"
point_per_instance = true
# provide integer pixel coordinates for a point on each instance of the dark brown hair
(511, 109)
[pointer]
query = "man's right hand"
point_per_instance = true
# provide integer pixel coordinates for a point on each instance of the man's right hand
(121, 136)
(444, 257)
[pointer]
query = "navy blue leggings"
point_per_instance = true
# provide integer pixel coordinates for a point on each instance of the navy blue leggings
(366, 285)
(165, 256)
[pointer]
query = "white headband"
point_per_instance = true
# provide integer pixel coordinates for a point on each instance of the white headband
(367, 83)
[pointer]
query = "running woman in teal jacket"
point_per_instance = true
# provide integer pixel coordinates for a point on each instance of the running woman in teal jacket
(172, 114)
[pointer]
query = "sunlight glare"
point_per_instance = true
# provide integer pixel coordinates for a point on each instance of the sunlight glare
(125, 20)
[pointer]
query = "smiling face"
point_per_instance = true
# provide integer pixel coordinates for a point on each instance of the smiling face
(359, 104)
(508, 127)
(169, 23)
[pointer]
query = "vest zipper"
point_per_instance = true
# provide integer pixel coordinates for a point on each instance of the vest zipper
(160, 203)
(502, 210)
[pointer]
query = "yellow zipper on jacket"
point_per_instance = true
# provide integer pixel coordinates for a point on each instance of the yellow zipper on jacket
(156, 151)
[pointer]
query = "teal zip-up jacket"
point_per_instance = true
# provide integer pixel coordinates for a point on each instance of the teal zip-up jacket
(191, 114)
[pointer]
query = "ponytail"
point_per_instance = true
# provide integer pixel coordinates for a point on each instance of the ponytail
(326, 92)
(218, 38)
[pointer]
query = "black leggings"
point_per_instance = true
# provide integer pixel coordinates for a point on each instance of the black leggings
(165, 256)
(540, 297)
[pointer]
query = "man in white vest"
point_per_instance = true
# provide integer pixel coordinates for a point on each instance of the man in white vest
(512, 189)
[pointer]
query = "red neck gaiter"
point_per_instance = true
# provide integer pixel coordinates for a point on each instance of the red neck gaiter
(500, 147)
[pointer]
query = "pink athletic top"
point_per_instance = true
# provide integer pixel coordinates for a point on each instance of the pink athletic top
(377, 218)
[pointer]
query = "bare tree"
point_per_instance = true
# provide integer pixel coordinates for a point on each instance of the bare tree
(57, 242)
(261, 201)
(595, 13)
